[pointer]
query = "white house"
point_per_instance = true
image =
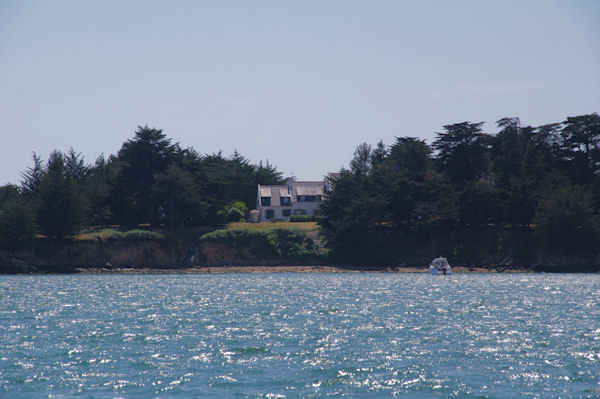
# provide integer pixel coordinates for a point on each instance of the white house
(273, 203)
(296, 198)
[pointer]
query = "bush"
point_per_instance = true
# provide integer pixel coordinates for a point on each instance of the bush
(131, 235)
(292, 243)
(235, 212)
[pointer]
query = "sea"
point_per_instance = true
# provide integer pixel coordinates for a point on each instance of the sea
(305, 335)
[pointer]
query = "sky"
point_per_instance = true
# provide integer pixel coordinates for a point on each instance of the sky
(297, 83)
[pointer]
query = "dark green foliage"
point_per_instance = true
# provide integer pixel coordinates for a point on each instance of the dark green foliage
(546, 179)
(75, 167)
(290, 243)
(565, 220)
(154, 181)
(17, 222)
(462, 150)
(479, 204)
(351, 212)
(115, 235)
(361, 164)
(581, 141)
(138, 161)
(305, 218)
(97, 187)
(228, 180)
(409, 177)
(178, 196)
(235, 212)
(9, 193)
(149, 181)
(32, 177)
(61, 207)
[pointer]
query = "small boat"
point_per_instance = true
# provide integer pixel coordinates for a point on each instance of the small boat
(440, 266)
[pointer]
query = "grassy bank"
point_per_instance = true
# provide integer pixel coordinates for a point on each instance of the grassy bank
(113, 234)
(287, 241)
(307, 226)
(291, 244)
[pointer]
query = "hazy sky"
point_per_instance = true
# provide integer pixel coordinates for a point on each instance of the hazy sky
(299, 83)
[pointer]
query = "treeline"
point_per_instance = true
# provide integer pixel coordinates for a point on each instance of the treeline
(544, 180)
(149, 181)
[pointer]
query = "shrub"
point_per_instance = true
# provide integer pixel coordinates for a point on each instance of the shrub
(292, 243)
(131, 235)
(235, 212)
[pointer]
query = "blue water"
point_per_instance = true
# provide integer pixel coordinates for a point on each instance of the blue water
(300, 335)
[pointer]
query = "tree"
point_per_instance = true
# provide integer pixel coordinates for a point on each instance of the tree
(508, 149)
(352, 214)
(266, 174)
(360, 165)
(216, 186)
(581, 140)
(379, 154)
(519, 198)
(17, 222)
(179, 198)
(565, 220)
(462, 151)
(547, 151)
(32, 177)
(409, 173)
(75, 167)
(139, 160)
(520, 161)
(227, 180)
(97, 188)
(478, 204)
(8, 193)
(61, 208)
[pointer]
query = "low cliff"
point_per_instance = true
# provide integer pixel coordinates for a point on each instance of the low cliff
(239, 247)
(498, 248)
(50, 256)
(226, 247)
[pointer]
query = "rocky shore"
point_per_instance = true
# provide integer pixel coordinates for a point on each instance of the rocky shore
(283, 269)
(160, 256)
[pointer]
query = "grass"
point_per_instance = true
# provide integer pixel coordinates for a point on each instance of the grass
(189, 234)
(113, 234)
(308, 226)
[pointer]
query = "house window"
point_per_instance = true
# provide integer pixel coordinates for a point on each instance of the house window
(299, 211)
(269, 213)
(284, 201)
(286, 212)
(265, 201)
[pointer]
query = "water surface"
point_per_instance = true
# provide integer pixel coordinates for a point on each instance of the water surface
(300, 335)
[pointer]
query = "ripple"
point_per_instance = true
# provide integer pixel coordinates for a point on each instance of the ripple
(279, 335)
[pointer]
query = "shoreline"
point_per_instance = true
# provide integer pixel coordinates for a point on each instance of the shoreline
(283, 269)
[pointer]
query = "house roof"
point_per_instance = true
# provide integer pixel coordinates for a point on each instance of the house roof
(307, 188)
(275, 192)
